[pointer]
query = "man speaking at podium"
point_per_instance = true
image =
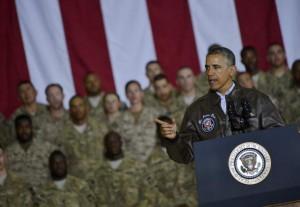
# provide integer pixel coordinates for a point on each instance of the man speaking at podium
(227, 109)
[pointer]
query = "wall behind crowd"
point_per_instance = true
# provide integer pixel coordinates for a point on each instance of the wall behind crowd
(60, 41)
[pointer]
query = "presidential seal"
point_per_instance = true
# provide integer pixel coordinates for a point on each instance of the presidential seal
(249, 163)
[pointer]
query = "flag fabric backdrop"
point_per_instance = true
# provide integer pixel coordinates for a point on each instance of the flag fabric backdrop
(61, 40)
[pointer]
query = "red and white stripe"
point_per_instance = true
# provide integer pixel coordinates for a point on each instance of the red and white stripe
(60, 41)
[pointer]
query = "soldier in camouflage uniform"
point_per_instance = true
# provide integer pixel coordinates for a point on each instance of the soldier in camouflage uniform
(56, 116)
(164, 99)
(278, 78)
(13, 191)
(27, 94)
(291, 101)
(117, 181)
(29, 155)
(63, 190)
(136, 124)
(111, 113)
(94, 96)
(179, 186)
(250, 61)
(188, 92)
(83, 138)
(153, 68)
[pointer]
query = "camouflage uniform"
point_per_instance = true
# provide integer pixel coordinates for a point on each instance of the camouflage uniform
(37, 118)
(94, 112)
(175, 181)
(139, 135)
(148, 94)
(51, 129)
(164, 108)
(291, 105)
(75, 193)
(111, 124)
(83, 148)
(274, 87)
(14, 193)
(31, 165)
(118, 187)
(202, 83)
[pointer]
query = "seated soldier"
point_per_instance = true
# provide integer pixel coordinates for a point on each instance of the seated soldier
(179, 187)
(56, 116)
(245, 80)
(83, 138)
(27, 94)
(13, 191)
(136, 124)
(119, 181)
(63, 190)
(92, 84)
(28, 156)
(111, 105)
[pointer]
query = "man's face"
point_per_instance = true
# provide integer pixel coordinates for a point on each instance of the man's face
(2, 160)
(276, 56)
(92, 85)
(134, 94)
(113, 145)
(219, 72)
(186, 79)
(153, 70)
(163, 89)
(58, 167)
(78, 109)
(111, 104)
(250, 60)
(55, 97)
(27, 94)
(245, 80)
(24, 131)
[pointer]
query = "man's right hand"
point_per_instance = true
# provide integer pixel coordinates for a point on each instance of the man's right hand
(166, 129)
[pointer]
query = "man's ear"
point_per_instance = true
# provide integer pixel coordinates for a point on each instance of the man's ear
(233, 70)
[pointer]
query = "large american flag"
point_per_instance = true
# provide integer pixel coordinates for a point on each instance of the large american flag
(60, 41)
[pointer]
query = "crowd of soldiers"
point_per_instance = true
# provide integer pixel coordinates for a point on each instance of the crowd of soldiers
(101, 152)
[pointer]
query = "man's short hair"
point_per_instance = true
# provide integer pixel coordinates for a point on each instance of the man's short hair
(151, 62)
(54, 85)
(132, 82)
(276, 44)
(160, 77)
(23, 82)
(74, 97)
(112, 134)
(22, 117)
(227, 53)
(246, 49)
(57, 153)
